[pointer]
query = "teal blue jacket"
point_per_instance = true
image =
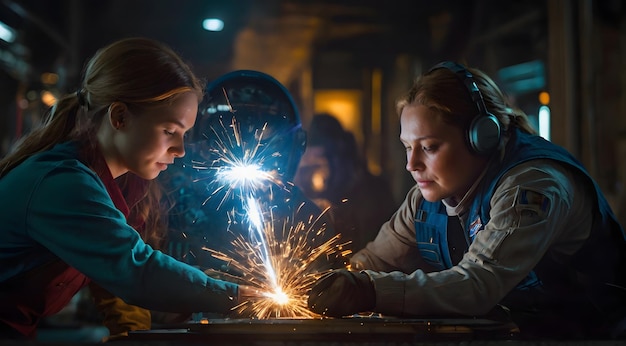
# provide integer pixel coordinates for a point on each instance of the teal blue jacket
(57, 216)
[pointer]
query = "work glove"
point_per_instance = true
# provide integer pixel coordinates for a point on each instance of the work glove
(342, 292)
(224, 276)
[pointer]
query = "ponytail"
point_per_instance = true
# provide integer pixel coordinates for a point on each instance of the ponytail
(58, 125)
(138, 71)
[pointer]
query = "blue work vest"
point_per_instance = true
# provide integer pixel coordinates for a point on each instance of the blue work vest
(589, 264)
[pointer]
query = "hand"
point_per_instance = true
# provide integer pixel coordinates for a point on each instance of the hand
(342, 292)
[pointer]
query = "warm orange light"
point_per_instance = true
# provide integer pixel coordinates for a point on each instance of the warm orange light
(345, 104)
(48, 98)
(318, 181)
(377, 86)
(49, 78)
(544, 98)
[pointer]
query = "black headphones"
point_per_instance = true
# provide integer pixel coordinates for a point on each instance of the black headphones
(484, 132)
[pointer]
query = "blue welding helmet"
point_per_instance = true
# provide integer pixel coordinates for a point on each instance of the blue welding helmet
(249, 115)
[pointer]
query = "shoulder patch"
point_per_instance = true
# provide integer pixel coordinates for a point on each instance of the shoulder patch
(531, 206)
(533, 198)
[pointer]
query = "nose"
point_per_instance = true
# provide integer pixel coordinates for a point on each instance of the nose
(179, 149)
(414, 160)
(181, 152)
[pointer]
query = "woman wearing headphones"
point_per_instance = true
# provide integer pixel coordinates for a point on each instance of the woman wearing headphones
(499, 220)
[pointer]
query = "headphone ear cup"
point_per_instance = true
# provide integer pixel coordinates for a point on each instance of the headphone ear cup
(484, 134)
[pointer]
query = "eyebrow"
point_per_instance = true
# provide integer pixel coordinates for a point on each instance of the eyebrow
(177, 122)
(419, 139)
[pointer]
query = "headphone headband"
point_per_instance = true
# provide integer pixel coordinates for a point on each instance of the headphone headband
(484, 133)
(467, 79)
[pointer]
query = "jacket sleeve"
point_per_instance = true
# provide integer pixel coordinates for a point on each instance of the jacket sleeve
(73, 217)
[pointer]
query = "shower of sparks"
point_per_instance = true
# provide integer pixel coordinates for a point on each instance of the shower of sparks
(284, 263)
(296, 264)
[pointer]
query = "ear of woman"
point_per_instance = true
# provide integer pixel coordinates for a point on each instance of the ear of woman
(117, 113)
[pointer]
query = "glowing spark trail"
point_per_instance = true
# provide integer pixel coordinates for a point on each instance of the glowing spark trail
(297, 260)
(257, 235)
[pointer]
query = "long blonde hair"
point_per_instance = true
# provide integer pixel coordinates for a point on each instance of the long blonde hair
(137, 71)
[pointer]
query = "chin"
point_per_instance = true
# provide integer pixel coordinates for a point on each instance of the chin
(152, 176)
(431, 197)
(148, 175)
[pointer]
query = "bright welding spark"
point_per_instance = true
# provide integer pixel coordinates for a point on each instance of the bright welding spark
(298, 259)
(279, 297)
(247, 177)
(235, 168)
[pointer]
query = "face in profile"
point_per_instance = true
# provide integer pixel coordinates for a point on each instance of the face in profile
(151, 139)
(438, 157)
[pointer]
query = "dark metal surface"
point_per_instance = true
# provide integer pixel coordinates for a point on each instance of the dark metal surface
(356, 329)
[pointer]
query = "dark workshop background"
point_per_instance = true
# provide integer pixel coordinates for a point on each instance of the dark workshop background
(352, 58)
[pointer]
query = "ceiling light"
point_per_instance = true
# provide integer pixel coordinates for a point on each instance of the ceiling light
(7, 33)
(213, 24)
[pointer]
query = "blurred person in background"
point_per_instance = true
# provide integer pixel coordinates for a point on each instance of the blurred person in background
(334, 174)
